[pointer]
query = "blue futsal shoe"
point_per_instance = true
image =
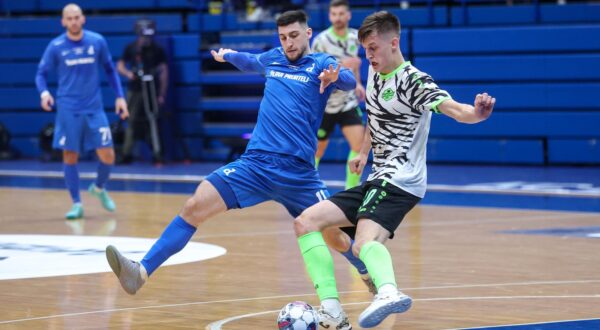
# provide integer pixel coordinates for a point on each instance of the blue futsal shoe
(76, 212)
(102, 195)
(383, 305)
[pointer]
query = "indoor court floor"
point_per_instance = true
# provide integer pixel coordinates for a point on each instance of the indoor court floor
(501, 247)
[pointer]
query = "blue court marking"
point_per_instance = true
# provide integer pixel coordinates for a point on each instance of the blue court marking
(587, 232)
(587, 324)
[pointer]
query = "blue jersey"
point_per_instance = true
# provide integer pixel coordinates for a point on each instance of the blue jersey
(292, 107)
(77, 64)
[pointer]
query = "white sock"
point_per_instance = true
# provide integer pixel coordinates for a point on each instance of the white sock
(387, 288)
(332, 306)
(143, 272)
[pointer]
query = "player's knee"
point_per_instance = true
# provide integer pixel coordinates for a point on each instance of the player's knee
(192, 211)
(70, 157)
(107, 155)
(304, 224)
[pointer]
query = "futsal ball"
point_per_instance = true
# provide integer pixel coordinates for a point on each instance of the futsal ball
(298, 315)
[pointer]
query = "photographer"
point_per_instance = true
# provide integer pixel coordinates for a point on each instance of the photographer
(144, 63)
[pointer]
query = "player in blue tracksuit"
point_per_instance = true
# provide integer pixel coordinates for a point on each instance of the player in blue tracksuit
(81, 124)
(279, 161)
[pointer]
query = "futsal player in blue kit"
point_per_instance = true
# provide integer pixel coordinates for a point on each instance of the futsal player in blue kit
(81, 123)
(279, 161)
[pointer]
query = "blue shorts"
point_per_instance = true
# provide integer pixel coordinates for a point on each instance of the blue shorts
(259, 176)
(80, 132)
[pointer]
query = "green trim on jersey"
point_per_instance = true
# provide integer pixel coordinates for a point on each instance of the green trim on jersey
(435, 104)
(335, 35)
(388, 75)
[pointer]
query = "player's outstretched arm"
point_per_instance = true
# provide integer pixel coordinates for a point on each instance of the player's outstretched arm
(469, 114)
(243, 61)
(220, 55)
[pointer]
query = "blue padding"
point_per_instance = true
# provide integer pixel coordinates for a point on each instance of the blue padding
(522, 124)
(511, 67)
(258, 37)
(519, 96)
(24, 74)
(486, 151)
(408, 17)
(29, 48)
(26, 146)
(100, 24)
(226, 22)
(187, 98)
(19, 6)
(512, 39)
(190, 123)
(337, 150)
(97, 4)
(18, 98)
(491, 15)
(194, 147)
(186, 72)
(28, 123)
(170, 4)
(231, 77)
(229, 104)
(186, 45)
(574, 151)
(227, 130)
(571, 13)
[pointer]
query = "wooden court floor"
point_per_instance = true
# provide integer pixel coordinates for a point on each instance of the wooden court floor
(457, 263)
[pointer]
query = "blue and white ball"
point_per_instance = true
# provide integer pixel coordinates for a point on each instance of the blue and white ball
(298, 315)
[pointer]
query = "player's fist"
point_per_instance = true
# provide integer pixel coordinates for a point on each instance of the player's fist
(484, 104)
(47, 101)
(357, 164)
(218, 56)
(121, 108)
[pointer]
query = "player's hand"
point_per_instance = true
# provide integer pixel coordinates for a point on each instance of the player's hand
(329, 76)
(218, 56)
(47, 101)
(352, 63)
(358, 163)
(121, 108)
(360, 92)
(484, 104)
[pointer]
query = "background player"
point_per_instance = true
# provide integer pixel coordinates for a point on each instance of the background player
(81, 123)
(279, 161)
(400, 99)
(342, 107)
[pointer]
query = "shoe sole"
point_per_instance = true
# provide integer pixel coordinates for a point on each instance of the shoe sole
(384, 311)
(112, 255)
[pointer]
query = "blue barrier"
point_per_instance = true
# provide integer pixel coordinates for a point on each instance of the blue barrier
(505, 151)
(574, 151)
(522, 68)
(538, 39)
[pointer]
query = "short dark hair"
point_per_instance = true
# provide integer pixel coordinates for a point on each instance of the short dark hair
(337, 3)
(291, 17)
(380, 22)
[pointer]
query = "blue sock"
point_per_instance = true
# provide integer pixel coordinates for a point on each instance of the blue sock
(173, 239)
(72, 181)
(356, 262)
(103, 174)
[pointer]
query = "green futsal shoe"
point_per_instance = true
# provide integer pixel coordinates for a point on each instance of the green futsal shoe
(102, 195)
(76, 212)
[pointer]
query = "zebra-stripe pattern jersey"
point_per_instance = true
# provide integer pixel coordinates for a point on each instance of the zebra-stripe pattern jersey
(328, 42)
(399, 106)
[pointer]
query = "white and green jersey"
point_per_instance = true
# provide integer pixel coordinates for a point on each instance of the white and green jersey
(399, 106)
(339, 47)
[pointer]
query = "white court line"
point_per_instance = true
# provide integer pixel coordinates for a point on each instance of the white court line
(218, 324)
(290, 296)
(330, 183)
(519, 324)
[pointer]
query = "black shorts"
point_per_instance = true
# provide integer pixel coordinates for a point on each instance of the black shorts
(376, 200)
(346, 118)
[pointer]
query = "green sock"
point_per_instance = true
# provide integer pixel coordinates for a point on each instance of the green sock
(317, 160)
(379, 263)
(352, 179)
(319, 264)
